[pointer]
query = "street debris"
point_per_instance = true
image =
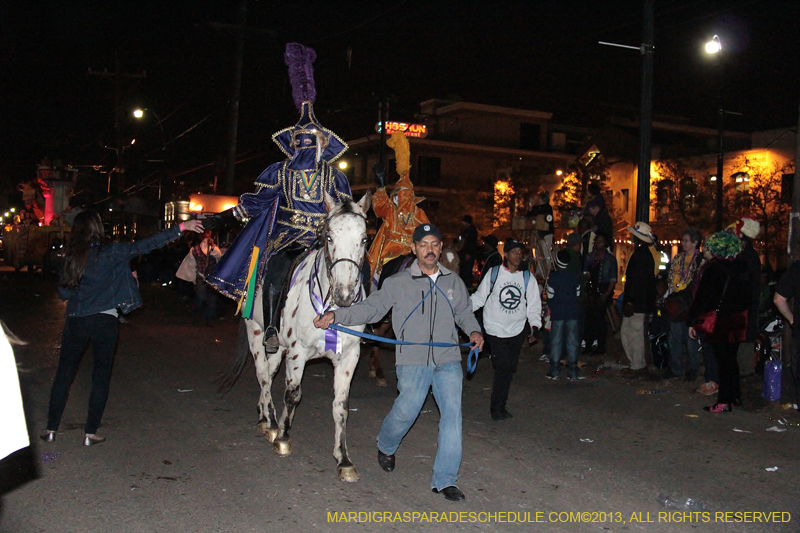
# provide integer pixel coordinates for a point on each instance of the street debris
(587, 440)
(688, 505)
(50, 456)
(693, 416)
(645, 391)
(776, 429)
(772, 469)
(737, 430)
(185, 390)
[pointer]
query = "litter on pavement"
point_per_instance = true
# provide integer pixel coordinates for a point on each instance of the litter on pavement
(50, 456)
(776, 429)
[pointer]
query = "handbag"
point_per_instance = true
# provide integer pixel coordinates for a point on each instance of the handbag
(707, 322)
(677, 304)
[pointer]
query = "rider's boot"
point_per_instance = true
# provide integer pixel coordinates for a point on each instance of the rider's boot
(271, 332)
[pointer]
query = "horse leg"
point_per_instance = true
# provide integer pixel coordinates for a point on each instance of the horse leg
(375, 369)
(295, 364)
(266, 367)
(342, 375)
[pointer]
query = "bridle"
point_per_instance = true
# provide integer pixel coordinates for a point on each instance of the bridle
(330, 263)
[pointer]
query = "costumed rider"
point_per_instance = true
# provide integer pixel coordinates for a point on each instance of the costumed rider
(400, 214)
(287, 208)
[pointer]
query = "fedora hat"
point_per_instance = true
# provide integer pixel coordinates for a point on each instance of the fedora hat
(642, 231)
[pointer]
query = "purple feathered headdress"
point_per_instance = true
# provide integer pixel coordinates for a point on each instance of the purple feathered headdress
(299, 59)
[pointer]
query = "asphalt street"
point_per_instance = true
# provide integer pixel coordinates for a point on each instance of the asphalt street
(601, 454)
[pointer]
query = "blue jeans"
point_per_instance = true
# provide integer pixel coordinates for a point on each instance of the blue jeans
(205, 300)
(565, 335)
(678, 338)
(413, 383)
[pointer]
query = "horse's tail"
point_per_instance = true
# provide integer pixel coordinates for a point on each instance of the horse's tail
(228, 378)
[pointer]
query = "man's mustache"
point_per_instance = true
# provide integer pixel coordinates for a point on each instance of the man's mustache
(430, 255)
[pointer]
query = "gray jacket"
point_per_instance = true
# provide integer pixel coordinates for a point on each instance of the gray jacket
(419, 314)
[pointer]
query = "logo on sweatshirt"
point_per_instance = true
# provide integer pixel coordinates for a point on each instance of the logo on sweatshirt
(510, 298)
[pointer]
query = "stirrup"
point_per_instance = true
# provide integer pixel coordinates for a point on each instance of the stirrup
(271, 339)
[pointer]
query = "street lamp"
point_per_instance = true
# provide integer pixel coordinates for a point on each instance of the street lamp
(139, 113)
(714, 46)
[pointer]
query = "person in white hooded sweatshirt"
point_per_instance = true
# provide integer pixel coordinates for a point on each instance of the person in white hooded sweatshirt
(509, 298)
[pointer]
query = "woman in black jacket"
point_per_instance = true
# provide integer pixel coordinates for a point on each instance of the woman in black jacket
(96, 280)
(723, 291)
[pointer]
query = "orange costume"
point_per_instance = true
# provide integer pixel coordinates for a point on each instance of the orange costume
(400, 213)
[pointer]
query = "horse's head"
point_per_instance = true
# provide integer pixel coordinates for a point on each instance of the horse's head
(345, 238)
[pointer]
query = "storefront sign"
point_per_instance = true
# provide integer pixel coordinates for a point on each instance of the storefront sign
(409, 130)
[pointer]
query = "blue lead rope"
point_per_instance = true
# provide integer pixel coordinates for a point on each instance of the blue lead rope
(472, 359)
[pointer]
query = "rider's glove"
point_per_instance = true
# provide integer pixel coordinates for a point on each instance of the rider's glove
(219, 221)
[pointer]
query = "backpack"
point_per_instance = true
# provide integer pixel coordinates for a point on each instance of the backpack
(526, 275)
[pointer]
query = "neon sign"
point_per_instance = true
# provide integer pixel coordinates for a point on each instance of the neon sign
(409, 130)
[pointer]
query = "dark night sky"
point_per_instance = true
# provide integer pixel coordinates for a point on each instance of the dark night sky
(535, 54)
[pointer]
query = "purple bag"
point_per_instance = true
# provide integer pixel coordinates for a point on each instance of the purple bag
(771, 390)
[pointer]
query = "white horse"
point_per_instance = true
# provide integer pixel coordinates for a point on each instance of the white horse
(325, 279)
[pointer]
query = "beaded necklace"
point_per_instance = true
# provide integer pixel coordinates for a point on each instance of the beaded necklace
(682, 276)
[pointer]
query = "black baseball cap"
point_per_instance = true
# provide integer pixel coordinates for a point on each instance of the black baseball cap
(511, 244)
(423, 230)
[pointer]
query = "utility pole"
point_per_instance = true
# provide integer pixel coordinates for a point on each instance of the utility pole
(645, 111)
(720, 146)
(116, 78)
(233, 117)
(645, 116)
(242, 31)
(794, 222)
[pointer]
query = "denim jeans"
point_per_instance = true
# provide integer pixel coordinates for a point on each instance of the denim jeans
(565, 336)
(413, 383)
(678, 339)
(102, 330)
(709, 362)
(205, 300)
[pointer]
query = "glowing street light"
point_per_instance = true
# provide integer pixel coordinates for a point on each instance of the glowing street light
(139, 113)
(714, 45)
(343, 165)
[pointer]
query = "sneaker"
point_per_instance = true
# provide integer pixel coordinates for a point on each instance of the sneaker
(708, 388)
(552, 376)
(544, 357)
(719, 408)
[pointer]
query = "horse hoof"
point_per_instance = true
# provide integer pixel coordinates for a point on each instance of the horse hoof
(282, 447)
(372, 373)
(348, 473)
(380, 382)
(270, 433)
